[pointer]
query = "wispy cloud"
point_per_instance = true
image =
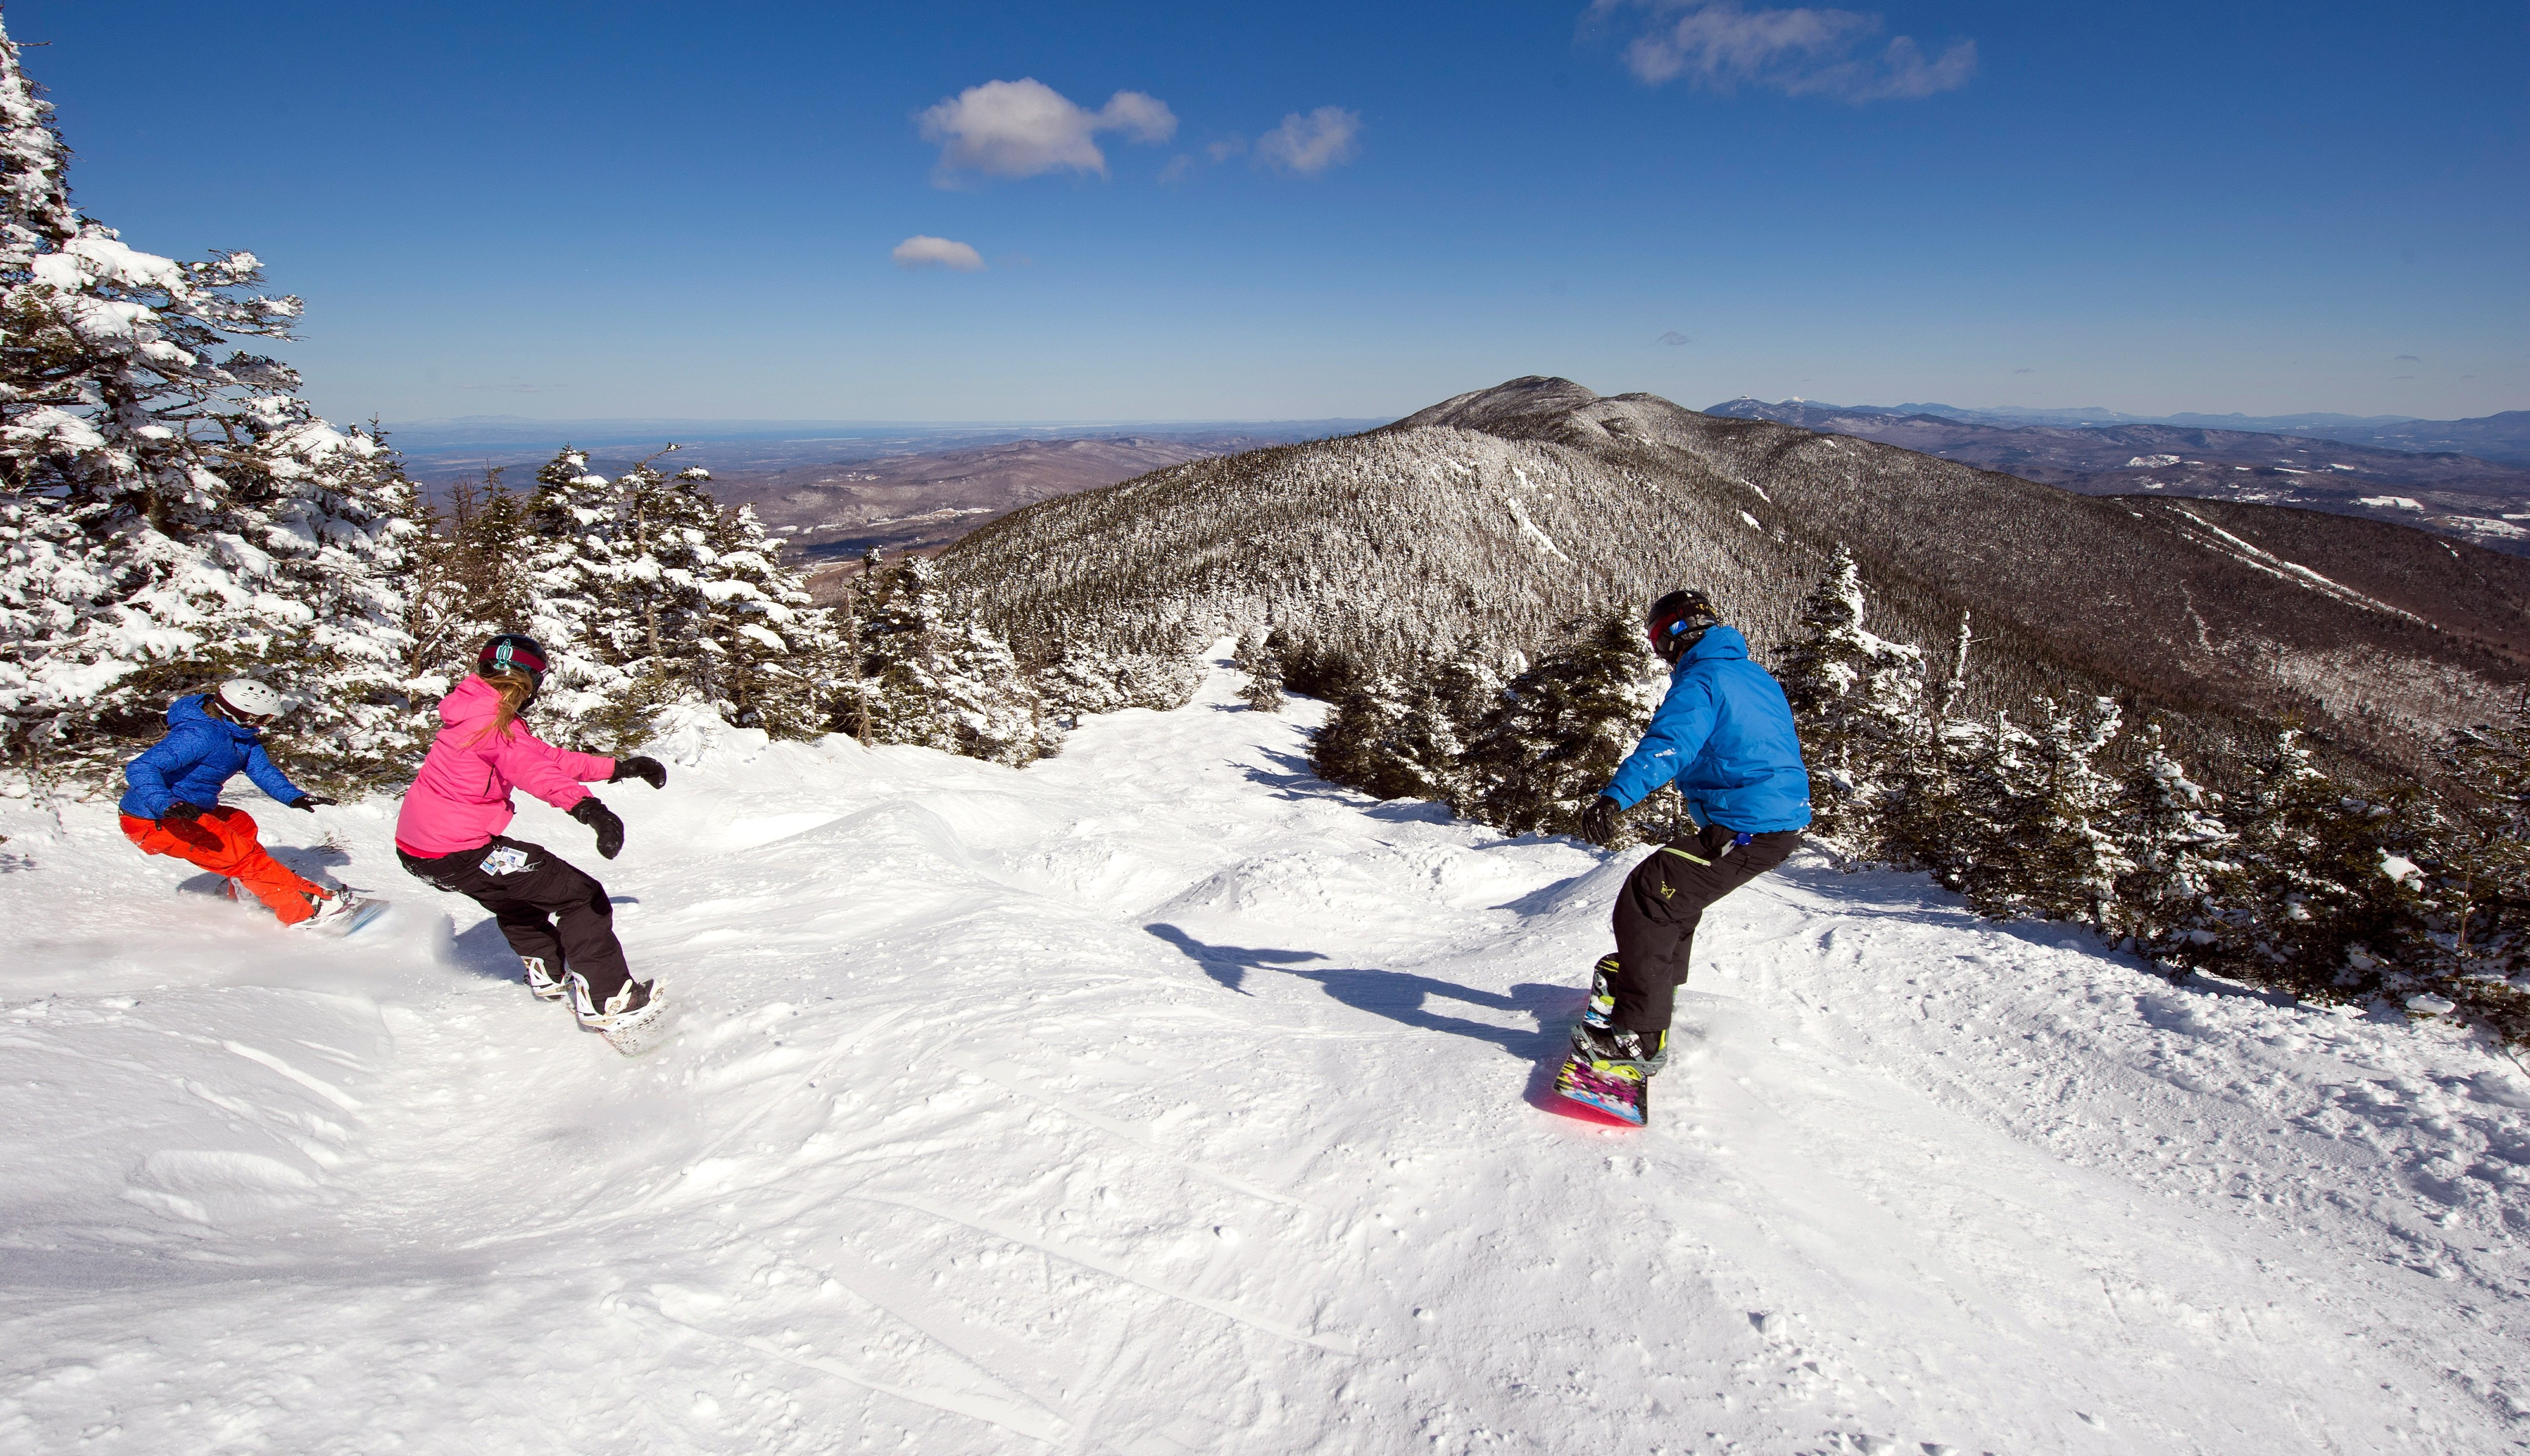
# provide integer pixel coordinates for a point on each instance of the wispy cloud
(2407, 358)
(1024, 127)
(1717, 45)
(922, 251)
(1307, 145)
(1227, 147)
(1673, 339)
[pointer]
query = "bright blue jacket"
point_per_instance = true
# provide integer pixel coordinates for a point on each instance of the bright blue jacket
(1725, 735)
(196, 757)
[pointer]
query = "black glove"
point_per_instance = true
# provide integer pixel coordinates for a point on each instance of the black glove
(183, 822)
(646, 769)
(310, 801)
(609, 830)
(1599, 821)
(181, 812)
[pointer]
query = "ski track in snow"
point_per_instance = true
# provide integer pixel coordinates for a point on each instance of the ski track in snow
(1161, 1097)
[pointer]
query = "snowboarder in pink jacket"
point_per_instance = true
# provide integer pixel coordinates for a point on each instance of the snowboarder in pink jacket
(554, 914)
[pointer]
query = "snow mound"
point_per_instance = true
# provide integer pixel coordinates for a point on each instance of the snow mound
(1161, 1097)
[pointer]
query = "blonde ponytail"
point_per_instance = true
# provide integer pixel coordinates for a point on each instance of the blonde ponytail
(514, 688)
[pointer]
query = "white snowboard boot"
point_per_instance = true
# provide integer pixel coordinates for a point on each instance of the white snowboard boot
(631, 1021)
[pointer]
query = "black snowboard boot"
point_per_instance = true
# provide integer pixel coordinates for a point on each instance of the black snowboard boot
(1612, 1050)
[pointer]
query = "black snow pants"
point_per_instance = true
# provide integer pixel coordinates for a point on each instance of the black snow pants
(549, 909)
(1657, 910)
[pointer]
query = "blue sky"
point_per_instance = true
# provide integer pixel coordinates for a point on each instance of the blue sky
(1304, 210)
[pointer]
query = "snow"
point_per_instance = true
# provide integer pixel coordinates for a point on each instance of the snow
(1160, 1097)
(2151, 462)
(2396, 502)
(2257, 558)
(1751, 520)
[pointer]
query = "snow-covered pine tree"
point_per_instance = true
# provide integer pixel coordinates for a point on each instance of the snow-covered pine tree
(1920, 820)
(2479, 886)
(649, 627)
(1995, 794)
(1542, 753)
(854, 698)
(568, 567)
(164, 509)
(938, 678)
(1264, 666)
(467, 579)
(2171, 830)
(330, 504)
(35, 213)
(2321, 900)
(2070, 858)
(1857, 698)
(775, 649)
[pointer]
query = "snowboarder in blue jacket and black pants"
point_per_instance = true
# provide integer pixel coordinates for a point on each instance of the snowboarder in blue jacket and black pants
(1725, 736)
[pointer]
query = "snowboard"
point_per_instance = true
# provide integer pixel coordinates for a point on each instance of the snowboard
(1626, 1099)
(363, 912)
(349, 925)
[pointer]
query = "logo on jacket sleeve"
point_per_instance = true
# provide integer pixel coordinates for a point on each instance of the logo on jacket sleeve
(503, 861)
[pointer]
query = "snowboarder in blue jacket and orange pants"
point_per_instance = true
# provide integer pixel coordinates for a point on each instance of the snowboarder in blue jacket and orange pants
(1723, 735)
(174, 804)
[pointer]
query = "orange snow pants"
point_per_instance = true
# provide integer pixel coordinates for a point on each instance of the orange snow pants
(222, 841)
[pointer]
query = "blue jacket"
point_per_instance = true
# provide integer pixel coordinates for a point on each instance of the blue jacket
(196, 757)
(1725, 735)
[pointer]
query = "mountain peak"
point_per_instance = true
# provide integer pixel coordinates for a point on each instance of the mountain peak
(1529, 396)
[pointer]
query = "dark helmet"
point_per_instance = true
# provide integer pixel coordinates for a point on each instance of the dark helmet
(513, 652)
(1677, 622)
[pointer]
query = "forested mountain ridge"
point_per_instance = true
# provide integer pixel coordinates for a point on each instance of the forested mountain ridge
(1495, 519)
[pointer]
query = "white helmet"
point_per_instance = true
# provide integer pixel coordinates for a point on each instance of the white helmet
(248, 698)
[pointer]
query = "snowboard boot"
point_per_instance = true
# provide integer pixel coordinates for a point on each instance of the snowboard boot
(1602, 1007)
(630, 1020)
(1620, 1054)
(331, 910)
(541, 980)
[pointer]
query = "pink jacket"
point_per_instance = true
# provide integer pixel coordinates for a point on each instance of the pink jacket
(461, 798)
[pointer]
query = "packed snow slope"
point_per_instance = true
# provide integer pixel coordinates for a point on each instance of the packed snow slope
(1160, 1098)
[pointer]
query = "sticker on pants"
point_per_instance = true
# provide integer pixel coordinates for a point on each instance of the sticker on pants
(503, 861)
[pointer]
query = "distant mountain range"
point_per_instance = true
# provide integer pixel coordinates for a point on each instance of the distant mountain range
(837, 489)
(2456, 494)
(2504, 437)
(1490, 521)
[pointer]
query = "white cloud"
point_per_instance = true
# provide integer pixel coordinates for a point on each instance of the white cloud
(1309, 144)
(1227, 147)
(1024, 127)
(1717, 45)
(922, 251)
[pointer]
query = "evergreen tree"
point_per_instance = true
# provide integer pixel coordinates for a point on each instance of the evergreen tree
(1541, 754)
(1856, 698)
(2479, 947)
(854, 699)
(1996, 792)
(569, 573)
(2171, 834)
(36, 213)
(938, 678)
(467, 579)
(773, 647)
(2067, 858)
(170, 513)
(1264, 689)
(1921, 820)
(2319, 900)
